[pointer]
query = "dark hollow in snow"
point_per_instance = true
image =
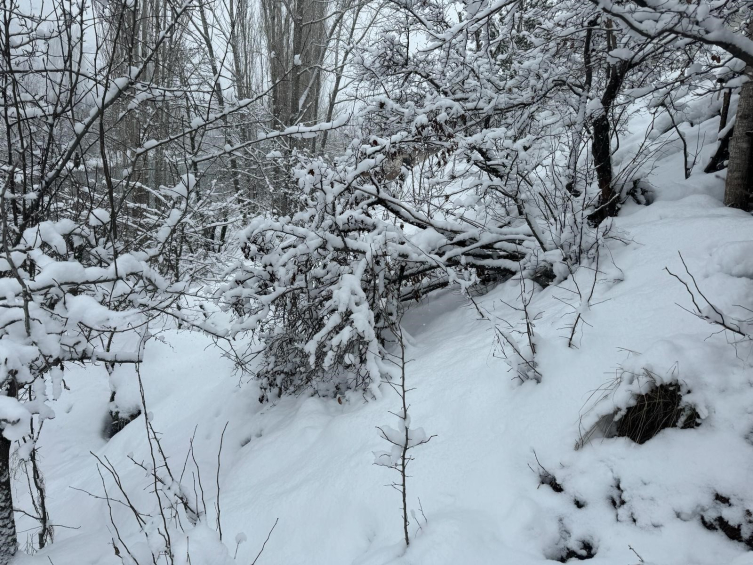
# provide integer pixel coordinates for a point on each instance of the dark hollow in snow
(658, 409)
(551, 481)
(582, 550)
(116, 421)
(713, 520)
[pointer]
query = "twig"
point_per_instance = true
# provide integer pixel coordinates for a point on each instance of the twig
(265, 542)
(699, 312)
(219, 454)
(630, 547)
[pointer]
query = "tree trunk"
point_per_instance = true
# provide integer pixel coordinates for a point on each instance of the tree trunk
(602, 152)
(8, 539)
(602, 145)
(738, 188)
(725, 109)
(234, 170)
(721, 155)
(739, 185)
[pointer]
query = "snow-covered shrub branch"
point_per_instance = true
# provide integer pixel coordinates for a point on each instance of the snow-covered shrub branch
(319, 285)
(709, 23)
(465, 168)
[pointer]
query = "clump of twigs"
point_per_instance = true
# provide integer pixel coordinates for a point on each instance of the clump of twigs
(585, 296)
(517, 343)
(177, 504)
(546, 477)
(705, 310)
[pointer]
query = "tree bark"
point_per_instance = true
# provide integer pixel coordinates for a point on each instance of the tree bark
(8, 538)
(8, 541)
(602, 154)
(721, 155)
(738, 189)
(725, 109)
(602, 145)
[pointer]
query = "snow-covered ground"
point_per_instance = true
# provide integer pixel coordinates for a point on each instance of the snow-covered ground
(476, 487)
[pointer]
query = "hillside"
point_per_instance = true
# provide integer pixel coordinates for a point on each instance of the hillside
(517, 474)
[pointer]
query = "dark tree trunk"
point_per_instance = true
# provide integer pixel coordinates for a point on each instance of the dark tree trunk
(721, 155)
(602, 146)
(8, 542)
(602, 153)
(8, 539)
(725, 109)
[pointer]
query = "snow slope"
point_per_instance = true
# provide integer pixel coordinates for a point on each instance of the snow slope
(309, 461)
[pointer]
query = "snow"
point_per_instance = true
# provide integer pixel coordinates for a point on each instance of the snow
(148, 144)
(735, 259)
(308, 461)
(127, 395)
(428, 239)
(620, 55)
(99, 217)
(15, 256)
(50, 233)
(300, 471)
(14, 418)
